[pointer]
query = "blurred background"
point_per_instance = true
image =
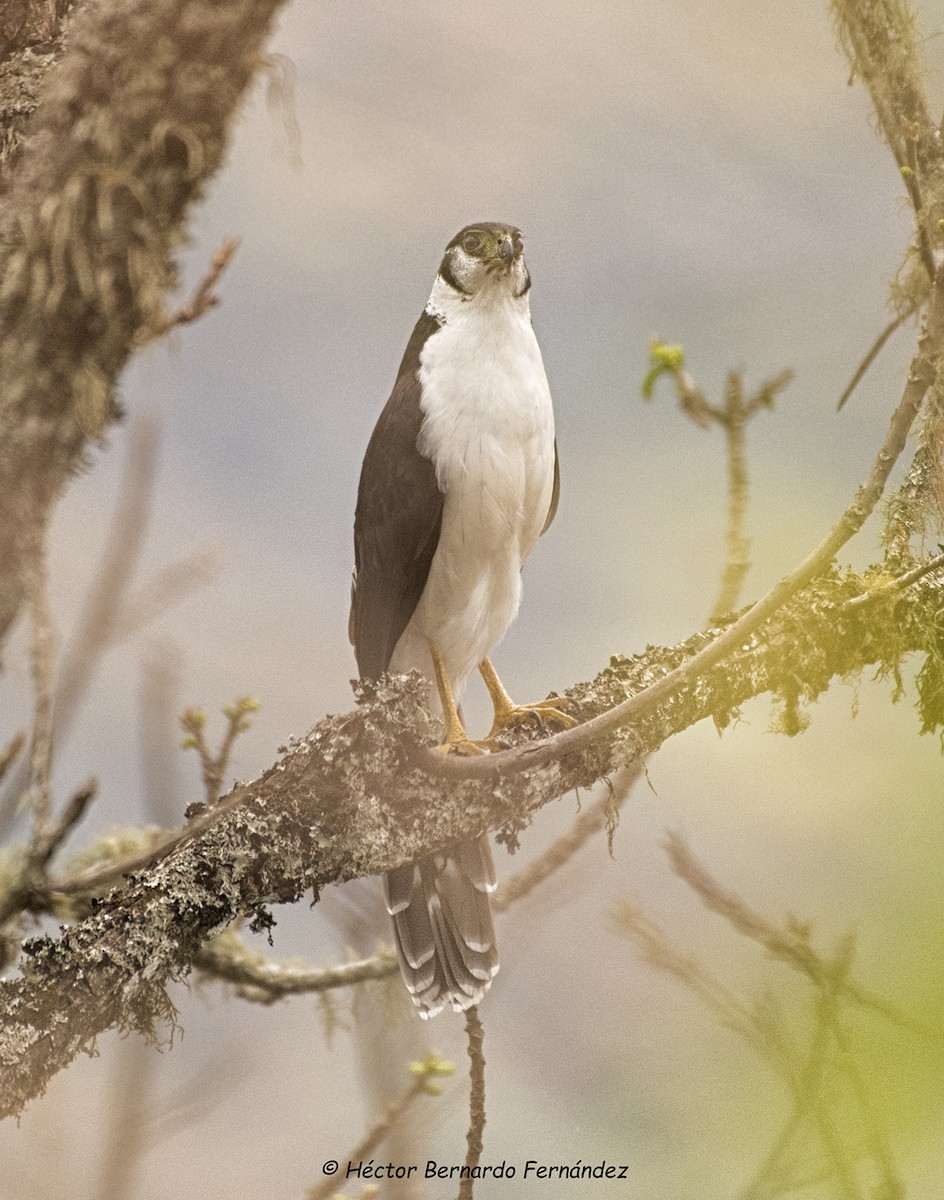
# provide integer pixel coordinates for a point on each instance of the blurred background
(703, 174)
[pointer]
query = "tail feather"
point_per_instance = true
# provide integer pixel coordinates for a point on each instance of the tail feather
(443, 926)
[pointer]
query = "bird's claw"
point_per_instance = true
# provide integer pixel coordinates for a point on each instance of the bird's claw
(550, 710)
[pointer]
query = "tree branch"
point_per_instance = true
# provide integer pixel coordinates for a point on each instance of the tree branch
(32, 39)
(476, 1037)
(348, 800)
(90, 225)
(258, 978)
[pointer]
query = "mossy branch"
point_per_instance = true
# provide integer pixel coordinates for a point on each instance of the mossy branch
(349, 800)
(131, 125)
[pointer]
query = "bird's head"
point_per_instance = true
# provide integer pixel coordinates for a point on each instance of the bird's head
(486, 256)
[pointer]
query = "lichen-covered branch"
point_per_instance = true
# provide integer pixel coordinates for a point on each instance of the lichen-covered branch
(349, 800)
(131, 124)
(258, 978)
(878, 37)
(32, 40)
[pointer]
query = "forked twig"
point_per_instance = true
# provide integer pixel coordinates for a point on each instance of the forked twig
(204, 296)
(791, 945)
(873, 352)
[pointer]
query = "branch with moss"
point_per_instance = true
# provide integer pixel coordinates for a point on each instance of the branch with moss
(90, 225)
(349, 800)
(264, 980)
(258, 978)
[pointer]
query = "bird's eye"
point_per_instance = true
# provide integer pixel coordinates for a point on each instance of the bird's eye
(519, 245)
(471, 242)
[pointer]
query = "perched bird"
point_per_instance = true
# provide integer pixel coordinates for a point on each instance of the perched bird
(459, 480)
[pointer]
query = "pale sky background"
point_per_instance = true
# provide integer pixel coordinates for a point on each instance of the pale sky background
(701, 172)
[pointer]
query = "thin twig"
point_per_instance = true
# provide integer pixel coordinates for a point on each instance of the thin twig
(41, 667)
(11, 751)
(72, 814)
(791, 945)
(99, 877)
(213, 766)
(873, 352)
(31, 890)
(94, 628)
(655, 948)
(733, 418)
(476, 1035)
(581, 737)
(592, 820)
(204, 296)
(876, 1137)
(806, 1099)
(424, 1076)
(898, 584)
(109, 615)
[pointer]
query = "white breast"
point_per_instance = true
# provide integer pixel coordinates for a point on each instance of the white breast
(489, 430)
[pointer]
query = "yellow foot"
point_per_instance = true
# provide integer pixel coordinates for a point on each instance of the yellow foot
(551, 710)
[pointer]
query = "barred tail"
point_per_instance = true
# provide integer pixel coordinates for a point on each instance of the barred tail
(443, 927)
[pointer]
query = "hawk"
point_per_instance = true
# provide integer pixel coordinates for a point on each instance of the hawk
(459, 481)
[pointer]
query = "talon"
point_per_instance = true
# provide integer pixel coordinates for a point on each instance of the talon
(543, 710)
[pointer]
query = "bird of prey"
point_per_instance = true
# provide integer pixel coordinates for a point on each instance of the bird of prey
(459, 480)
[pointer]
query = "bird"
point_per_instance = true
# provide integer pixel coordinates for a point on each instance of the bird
(459, 480)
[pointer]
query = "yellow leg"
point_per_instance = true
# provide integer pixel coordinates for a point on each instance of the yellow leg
(457, 740)
(507, 712)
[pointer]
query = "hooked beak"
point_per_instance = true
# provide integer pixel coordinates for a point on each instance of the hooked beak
(506, 250)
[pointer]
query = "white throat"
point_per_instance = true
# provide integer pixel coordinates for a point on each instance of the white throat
(492, 299)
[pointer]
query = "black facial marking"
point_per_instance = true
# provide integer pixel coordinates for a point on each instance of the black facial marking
(448, 275)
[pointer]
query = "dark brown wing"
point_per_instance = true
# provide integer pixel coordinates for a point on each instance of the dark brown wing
(555, 492)
(397, 522)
